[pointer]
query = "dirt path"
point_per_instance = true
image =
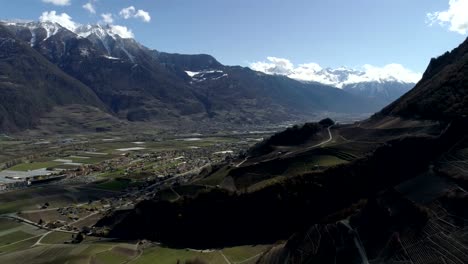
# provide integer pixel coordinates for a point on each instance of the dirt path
(176, 193)
(357, 242)
(225, 258)
(249, 259)
(38, 242)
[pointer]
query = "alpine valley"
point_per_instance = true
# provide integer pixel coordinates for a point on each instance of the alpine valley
(94, 71)
(112, 152)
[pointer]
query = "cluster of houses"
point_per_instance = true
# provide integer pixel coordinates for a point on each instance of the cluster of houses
(10, 179)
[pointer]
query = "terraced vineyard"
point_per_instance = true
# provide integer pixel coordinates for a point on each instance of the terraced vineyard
(443, 240)
(454, 163)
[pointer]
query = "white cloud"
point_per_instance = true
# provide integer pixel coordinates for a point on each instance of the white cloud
(66, 21)
(336, 77)
(127, 12)
(58, 2)
(274, 66)
(122, 31)
(90, 7)
(391, 71)
(280, 66)
(131, 12)
(145, 16)
(456, 16)
(107, 18)
(63, 19)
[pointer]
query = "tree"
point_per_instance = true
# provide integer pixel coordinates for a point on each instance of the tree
(78, 238)
(327, 122)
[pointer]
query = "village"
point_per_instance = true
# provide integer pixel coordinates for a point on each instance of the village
(119, 174)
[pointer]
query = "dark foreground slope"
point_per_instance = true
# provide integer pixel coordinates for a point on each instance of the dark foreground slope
(30, 85)
(387, 229)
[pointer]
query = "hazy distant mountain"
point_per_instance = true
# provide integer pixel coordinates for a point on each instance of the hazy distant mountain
(382, 93)
(139, 84)
(382, 86)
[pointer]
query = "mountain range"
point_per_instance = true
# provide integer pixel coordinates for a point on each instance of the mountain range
(122, 80)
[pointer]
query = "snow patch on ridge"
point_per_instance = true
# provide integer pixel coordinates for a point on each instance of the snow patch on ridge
(205, 75)
(191, 73)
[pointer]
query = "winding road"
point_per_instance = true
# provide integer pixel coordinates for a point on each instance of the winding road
(330, 138)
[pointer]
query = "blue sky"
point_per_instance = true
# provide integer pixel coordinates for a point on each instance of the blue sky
(331, 33)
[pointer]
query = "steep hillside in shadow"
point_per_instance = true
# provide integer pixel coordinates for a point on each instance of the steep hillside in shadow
(442, 94)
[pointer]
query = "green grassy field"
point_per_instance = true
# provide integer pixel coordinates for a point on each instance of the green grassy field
(181, 144)
(163, 255)
(114, 185)
(56, 196)
(56, 238)
(34, 166)
(262, 184)
(13, 237)
(90, 159)
(216, 178)
(6, 224)
(167, 195)
(117, 254)
(313, 163)
(49, 162)
(84, 253)
(242, 253)
(18, 246)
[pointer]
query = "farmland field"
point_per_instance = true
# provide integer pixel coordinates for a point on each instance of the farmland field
(56, 196)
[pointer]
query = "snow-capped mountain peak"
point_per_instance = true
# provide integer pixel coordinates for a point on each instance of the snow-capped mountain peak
(98, 30)
(45, 29)
(101, 31)
(116, 41)
(84, 31)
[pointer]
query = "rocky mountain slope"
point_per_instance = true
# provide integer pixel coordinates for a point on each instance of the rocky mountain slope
(31, 85)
